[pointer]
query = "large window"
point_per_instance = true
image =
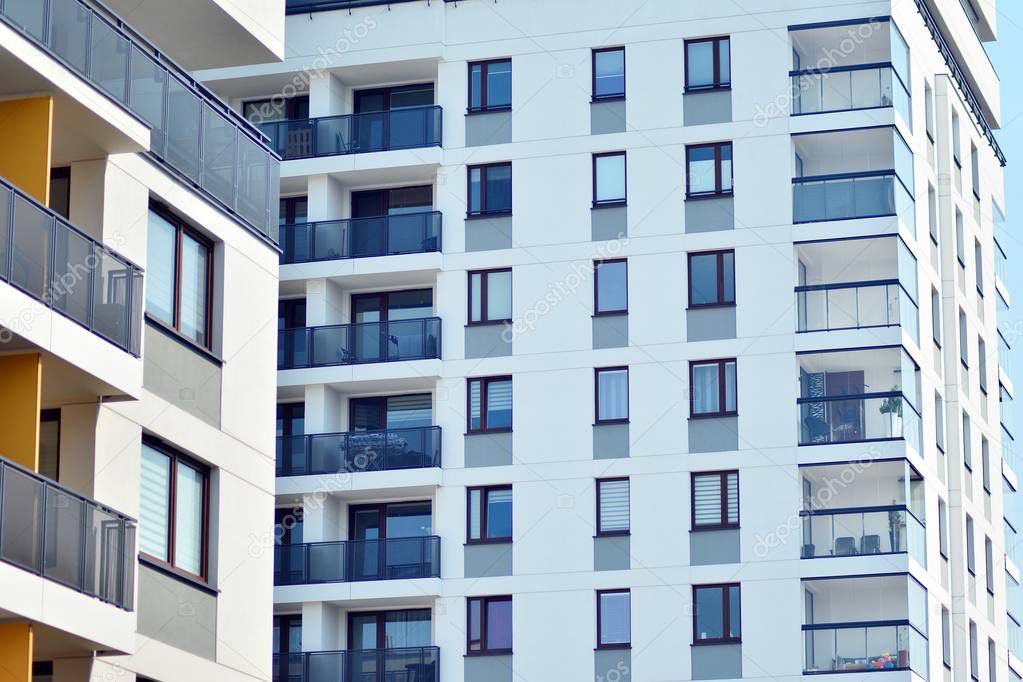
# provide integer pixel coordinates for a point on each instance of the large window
(614, 619)
(490, 296)
(489, 517)
(490, 404)
(490, 85)
(709, 169)
(716, 616)
(613, 506)
(711, 279)
(936, 317)
(489, 625)
(964, 351)
(173, 509)
(715, 502)
(978, 267)
(608, 73)
(971, 554)
(490, 189)
(609, 179)
(708, 63)
(610, 287)
(179, 272)
(967, 445)
(612, 395)
(712, 388)
(939, 422)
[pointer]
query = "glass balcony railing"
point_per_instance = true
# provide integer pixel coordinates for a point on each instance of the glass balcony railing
(361, 237)
(412, 664)
(357, 451)
(846, 196)
(357, 560)
(855, 305)
(1004, 354)
(360, 343)
(848, 88)
(857, 419)
(52, 261)
(56, 533)
(1015, 637)
(854, 532)
(193, 133)
(855, 647)
(356, 133)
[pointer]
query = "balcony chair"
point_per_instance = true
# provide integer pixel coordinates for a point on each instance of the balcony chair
(845, 546)
(816, 429)
(870, 544)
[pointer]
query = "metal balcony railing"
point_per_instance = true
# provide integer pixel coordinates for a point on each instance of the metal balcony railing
(890, 529)
(193, 133)
(361, 237)
(355, 451)
(849, 88)
(855, 305)
(382, 131)
(864, 647)
(857, 419)
(845, 196)
(56, 533)
(357, 560)
(359, 343)
(49, 259)
(412, 664)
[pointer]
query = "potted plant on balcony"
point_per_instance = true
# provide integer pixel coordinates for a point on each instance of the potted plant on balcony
(892, 406)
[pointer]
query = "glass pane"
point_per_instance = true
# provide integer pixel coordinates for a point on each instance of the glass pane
(499, 84)
(109, 60)
(706, 395)
(30, 260)
(614, 506)
(610, 178)
(499, 624)
(154, 503)
(615, 618)
(499, 514)
(609, 73)
(219, 143)
(475, 86)
(29, 14)
(110, 298)
(702, 170)
(184, 116)
(474, 405)
(475, 509)
(194, 289)
(74, 268)
(499, 188)
(188, 519)
(707, 500)
(730, 396)
(700, 64)
(147, 95)
(729, 277)
(20, 517)
(499, 296)
(253, 185)
(709, 613)
(613, 395)
(703, 279)
(160, 267)
(69, 31)
(612, 291)
(499, 404)
(476, 297)
(734, 618)
(726, 167)
(724, 59)
(475, 186)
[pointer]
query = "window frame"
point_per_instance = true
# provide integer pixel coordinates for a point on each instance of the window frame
(725, 617)
(597, 371)
(624, 201)
(484, 601)
(484, 383)
(484, 72)
(722, 389)
(484, 169)
(601, 645)
(596, 287)
(484, 311)
(718, 190)
(205, 471)
(594, 97)
(600, 532)
(484, 538)
(720, 264)
(724, 525)
(716, 51)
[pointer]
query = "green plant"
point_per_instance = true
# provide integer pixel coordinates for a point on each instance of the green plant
(892, 404)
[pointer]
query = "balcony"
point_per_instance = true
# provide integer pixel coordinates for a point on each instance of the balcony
(52, 531)
(414, 664)
(361, 237)
(888, 529)
(359, 343)
(50, 260)
(852, 174)
(358, 451)
(891, 645)
(858, 396)
(193, 133)
(408, 128)
(357, 561)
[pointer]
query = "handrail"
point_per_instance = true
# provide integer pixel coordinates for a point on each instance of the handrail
(852, 175)
(848, 285)
(346, 561)
(357, 451)
(343, 344)
(340, 243)
(838, 511)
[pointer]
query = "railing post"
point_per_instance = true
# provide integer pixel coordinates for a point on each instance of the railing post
(42, 532)
(86, 509)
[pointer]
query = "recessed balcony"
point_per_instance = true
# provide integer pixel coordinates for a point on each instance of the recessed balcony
(346, 561)
(412, 664)
(359, 343)
(390, 235)
(359, 451)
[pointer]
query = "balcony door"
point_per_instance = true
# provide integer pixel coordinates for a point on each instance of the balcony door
(290, 437)
(291, 345)
(846, 416)
(288, 537)
(390, 221)
(287, 649)
(377, 550)
(387, 645)
(392, 118)
(381, 333)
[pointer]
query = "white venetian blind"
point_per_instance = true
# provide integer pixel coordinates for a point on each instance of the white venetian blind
(188, 519)
(707, 494)
(614, 506)
(154, 503)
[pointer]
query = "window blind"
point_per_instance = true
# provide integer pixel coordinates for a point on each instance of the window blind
(614, 506)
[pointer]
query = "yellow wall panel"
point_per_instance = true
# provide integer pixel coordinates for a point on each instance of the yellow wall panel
(20, 399)
(15, 652)
(26, 141)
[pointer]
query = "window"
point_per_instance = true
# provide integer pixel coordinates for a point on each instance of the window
(978, 266)
(932, 213)
(489, 625)
(173, 509)
(490, 404)
(946, 638)
(609, 179)
(612, 395)
(490, 85)
(955, 138)
(608, 73)
(711, 279)
(715, 501)
(490, 189)
(964, 351)
(179, 272)
(490, 296)
(708, 63)
(49, 444)
(709, 169)
(974, 664)
(939, 423)
(614, 619)
(276, 109)
(975, 170)
(985, 464)
(982, 364)
(610, 287)
(936, 317)
(967, 449)
(971, 561)
(992, 661)
(60, 191)
(943, 528)
(489, 515)
(960, 240)
(929, 111)
(716, 616)
(712, 388)
(989, 565)
(613, 506)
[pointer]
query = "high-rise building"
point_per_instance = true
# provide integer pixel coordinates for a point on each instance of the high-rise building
(138, 281)
(639, 340)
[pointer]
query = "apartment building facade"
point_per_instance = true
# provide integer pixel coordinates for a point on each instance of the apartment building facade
(138, 280)
(639, 341)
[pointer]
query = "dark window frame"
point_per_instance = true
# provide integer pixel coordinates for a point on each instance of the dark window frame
(722, 389)
(600, 532)
(484, 312)
(484, 383)
(597, 371)
(484, 69)
(718, 191)
(613, 645)
(292, 107)
(624, 201)
(593, 74)
(597, 312)
(721, 302)
(717, 84)
(725, 617)
(724, 525)
(288, 206)
(484, 169)
(484, 602)
(484, 538)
